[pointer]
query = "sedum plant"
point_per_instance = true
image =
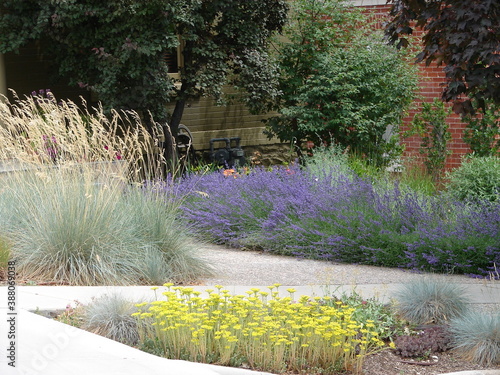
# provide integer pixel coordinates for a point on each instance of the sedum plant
(430, 340)
(268, 332)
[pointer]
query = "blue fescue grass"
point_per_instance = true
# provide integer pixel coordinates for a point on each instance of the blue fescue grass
(431, 301)
(333, 214)
(476, 337)
(65, 227)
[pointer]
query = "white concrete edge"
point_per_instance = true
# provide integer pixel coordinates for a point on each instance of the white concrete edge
(51, 298)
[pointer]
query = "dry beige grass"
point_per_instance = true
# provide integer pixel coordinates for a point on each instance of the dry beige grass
(40, 131)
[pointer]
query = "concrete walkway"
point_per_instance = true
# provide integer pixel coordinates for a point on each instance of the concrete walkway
(46, 347)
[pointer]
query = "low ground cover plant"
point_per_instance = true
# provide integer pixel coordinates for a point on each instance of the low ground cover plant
(262, 329)
(333, 215)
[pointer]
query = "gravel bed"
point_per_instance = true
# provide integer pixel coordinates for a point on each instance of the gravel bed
(242, 267)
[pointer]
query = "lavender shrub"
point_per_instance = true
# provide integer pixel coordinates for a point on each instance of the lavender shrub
(340, 217)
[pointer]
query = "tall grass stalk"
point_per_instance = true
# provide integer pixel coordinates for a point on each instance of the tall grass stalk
(72, 201)
(40, 131)
(416, 178)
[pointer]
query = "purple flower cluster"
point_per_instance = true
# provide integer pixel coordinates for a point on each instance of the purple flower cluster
(341, 218)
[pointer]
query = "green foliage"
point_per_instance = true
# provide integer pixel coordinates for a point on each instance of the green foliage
(477, 178)
(365, 168)
(111, 316)
(427, 301)
(117, 47)
(415, 177)
(462, 35)
(431, 125)
(328, 160)
(386, 324)
(476, 337)
(339, 84)
(482, 132)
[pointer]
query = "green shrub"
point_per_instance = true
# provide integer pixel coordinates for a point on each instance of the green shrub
(340, 82)
(427, 301)
(478, 178)
(476, 337)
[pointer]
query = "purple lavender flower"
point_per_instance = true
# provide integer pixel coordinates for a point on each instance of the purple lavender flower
(342, 218)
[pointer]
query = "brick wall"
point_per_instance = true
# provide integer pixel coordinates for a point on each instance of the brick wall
(432, 79)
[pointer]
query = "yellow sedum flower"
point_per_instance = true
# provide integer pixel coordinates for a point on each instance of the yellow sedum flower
(266, 331)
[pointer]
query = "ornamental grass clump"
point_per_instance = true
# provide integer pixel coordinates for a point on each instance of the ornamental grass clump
(476, 337)
(111, 316)
(70, 230)
(72, 203)
(261, 329)
(431, 301)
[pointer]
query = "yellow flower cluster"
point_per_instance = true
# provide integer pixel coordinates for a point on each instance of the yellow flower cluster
(269, 332)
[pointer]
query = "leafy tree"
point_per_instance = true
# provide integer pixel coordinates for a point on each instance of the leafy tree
(340, 82)
(462, 35)
(482, 132)
(117, 48)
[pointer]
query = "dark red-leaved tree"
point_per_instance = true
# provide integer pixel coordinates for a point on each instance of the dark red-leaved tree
(461, 35)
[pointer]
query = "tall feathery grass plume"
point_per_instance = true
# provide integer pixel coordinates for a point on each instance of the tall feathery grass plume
(71, 191)
(40, 131)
